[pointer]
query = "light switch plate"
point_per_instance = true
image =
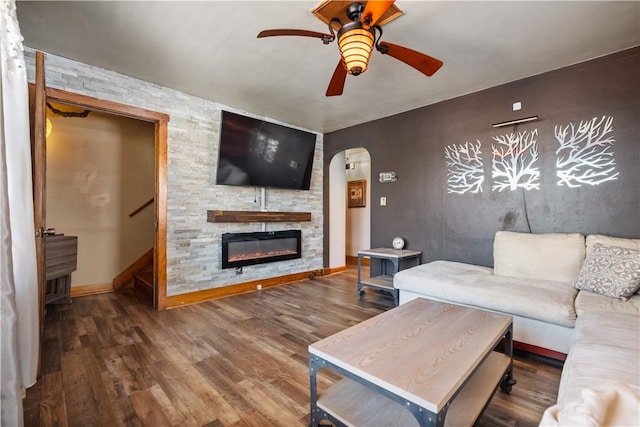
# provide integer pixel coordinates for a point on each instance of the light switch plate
(383, 201)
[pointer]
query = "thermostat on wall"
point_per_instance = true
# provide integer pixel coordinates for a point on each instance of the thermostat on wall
(388, 177)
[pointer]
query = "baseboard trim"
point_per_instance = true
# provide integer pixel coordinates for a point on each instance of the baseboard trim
(239, 288)
(333, 270)
(540, 351)
(353, 260)
(86, 290)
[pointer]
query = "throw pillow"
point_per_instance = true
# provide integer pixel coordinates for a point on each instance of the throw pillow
(611, 271)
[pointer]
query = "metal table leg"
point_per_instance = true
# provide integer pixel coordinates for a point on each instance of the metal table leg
(360, 291)
(317, 414)
(508, 381)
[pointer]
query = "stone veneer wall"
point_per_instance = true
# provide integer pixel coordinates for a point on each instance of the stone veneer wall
(193, 244)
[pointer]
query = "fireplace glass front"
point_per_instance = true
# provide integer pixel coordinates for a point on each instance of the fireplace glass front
(242, 249)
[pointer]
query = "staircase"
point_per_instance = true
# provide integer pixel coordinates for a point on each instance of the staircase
(138, 276)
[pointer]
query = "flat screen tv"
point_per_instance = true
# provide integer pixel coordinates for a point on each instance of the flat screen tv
(262, 154)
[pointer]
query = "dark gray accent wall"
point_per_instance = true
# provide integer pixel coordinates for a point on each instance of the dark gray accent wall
(462, 227)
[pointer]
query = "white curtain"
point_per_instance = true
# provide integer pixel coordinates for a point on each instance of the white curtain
(19, 292)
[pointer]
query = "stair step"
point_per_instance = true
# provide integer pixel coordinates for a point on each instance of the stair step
(146, 277)
(146, 269)
(143, 282)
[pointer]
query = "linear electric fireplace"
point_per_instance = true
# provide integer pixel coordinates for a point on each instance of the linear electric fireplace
(241, 249)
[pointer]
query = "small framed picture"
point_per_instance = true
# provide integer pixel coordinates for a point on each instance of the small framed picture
(356, 193)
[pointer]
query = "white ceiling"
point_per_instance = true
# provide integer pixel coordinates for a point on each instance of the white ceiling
(210, 50)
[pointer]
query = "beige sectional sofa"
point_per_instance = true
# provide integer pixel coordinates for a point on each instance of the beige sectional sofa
(534, 279)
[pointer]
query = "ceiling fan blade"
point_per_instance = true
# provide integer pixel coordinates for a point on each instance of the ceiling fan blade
(373, 11)
(421, 62)
(288, 32)
(336, 85)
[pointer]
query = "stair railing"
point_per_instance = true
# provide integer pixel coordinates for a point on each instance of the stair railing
(147, 203)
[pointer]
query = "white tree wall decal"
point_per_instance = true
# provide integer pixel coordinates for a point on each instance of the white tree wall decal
(464, 168)
(585, 154)
(514, 158)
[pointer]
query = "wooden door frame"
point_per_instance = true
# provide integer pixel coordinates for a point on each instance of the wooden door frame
(37, 118)
(161, 121)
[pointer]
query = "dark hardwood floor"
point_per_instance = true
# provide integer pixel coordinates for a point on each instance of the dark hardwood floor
(110, 360)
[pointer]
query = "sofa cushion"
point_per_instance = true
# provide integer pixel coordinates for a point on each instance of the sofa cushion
(605, 347)
(477, 286)
(610, 271)
(555, 257)
(607, 404)
(590, 301)
(592, 239)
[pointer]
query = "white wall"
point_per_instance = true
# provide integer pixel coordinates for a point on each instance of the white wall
(137, 187)
(98, 167)
(337, 211)
(358, 232)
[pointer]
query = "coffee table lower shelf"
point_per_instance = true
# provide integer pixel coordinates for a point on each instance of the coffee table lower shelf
(353, 404)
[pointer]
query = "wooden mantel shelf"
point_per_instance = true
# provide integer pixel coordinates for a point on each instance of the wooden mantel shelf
(257, 216)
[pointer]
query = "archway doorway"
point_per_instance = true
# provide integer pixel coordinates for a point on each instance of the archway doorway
(349, 227)
(358, 230)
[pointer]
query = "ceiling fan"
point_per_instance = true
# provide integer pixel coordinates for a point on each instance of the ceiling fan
(356, 40)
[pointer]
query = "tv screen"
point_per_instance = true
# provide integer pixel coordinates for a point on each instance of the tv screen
(262, 154)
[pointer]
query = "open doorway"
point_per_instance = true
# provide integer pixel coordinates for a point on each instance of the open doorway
(100, 171)
(358, 226)
(349, 228)
(159, 122)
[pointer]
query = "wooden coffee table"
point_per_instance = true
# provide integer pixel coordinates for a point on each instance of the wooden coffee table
(425, 363)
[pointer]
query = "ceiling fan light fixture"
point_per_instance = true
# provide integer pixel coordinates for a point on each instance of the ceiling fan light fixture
(355, 46)
(357, 38)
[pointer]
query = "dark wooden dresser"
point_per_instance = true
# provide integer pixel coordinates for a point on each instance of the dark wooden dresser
(61, 259)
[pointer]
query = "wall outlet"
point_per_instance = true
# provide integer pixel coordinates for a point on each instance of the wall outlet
(383, 201)
(258, 287)
(517, 106)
